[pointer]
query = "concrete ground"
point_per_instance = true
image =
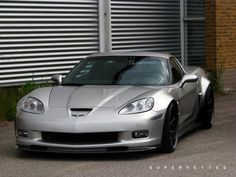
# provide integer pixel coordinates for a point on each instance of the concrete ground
(200, 153)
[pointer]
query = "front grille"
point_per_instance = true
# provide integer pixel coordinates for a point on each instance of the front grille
(80, 138)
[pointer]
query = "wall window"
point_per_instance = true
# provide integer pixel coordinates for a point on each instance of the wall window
(194, 31)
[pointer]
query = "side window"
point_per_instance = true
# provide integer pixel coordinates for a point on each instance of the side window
(176, 72)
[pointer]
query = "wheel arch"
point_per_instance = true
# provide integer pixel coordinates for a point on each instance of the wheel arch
(176, 104)
(163, 101)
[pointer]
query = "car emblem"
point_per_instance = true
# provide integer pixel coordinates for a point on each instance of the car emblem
(78, 115)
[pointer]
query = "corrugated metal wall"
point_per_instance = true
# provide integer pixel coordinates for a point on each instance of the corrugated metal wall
(39, 38)
(148, 25)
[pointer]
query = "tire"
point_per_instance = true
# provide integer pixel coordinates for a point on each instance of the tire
(207, 113)
(170, 130)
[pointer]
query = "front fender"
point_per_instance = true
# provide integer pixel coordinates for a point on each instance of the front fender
(41, 94)
(162, 101)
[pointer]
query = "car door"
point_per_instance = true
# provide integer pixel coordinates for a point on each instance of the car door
(186, 96)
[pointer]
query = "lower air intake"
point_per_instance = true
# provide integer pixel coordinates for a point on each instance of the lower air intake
(80, 138)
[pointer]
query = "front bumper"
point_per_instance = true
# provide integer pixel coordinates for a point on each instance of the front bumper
(56, 149)
(124, 125)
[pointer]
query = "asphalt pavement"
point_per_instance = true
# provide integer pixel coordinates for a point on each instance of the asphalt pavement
(200, 153)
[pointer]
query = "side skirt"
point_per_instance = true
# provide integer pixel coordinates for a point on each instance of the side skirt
(188, 127)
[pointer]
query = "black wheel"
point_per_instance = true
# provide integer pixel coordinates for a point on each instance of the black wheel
(207, 113)
(170, 130)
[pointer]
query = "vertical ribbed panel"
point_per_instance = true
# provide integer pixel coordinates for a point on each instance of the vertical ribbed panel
(196, 43)
(39, 38)
(195, 32)
(146, 25)
(195, 8)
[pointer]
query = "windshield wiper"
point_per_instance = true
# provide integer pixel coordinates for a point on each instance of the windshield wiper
(71, 84)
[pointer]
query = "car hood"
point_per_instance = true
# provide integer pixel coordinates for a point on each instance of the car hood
(89, 96)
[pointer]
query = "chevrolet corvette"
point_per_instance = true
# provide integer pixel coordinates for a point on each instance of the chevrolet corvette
(116, 102)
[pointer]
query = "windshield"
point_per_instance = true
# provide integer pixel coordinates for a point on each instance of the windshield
(119, 70)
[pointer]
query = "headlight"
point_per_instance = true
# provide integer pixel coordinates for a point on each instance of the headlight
(32, 105)
(138, 106)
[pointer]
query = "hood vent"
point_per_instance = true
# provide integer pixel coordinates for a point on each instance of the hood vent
(79, 112)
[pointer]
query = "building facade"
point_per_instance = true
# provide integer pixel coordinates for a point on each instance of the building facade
(221, 39)
(39, 38)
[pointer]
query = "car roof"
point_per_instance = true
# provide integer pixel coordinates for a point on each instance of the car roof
(146, 54)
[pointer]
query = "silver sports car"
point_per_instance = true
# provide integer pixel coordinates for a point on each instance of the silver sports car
(116, 102)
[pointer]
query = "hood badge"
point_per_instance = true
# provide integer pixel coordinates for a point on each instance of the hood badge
(78, 115)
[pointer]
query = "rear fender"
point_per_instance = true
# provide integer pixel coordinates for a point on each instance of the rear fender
(204, 84)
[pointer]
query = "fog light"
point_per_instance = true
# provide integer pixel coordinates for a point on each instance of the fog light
(22, 133)
(140, 134)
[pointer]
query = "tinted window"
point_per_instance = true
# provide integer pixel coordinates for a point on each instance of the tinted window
(119, 71)
(177, 73)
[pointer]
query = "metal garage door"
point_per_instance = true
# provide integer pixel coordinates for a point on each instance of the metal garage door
(39, 38)
(146, 25)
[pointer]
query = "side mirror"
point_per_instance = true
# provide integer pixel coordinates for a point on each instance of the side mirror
(57, 78)
(188, 78)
